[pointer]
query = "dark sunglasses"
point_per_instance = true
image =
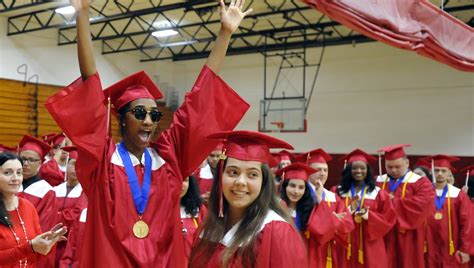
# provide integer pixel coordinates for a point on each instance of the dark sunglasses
(140, 114)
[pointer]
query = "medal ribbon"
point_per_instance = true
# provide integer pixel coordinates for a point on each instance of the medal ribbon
(394, 185)
(363, 191)
(440, 200)
(140, 194)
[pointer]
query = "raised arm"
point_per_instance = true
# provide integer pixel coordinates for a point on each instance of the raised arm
(231, 17)
(85, 50)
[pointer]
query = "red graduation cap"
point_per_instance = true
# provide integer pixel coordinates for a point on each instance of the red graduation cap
(296, 171)
(246, 146)
(285, 155)
(48, 138)
(72, 150)
(393, 152)
(249, 145)
(219, 146)
(469, 170)
(4, 148)
(136, 86)
(359, 155)
(314, 156)
(444, 161)
(57, 139)
(423, 162)
(29, 143)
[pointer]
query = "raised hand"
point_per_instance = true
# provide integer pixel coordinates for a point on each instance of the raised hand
(80, 4)
(231, 16)
(43, 243)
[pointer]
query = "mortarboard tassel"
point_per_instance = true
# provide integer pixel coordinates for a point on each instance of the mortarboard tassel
(450, 228)
(108, 114)
(433, 171)
(222, 158)
(65, 172)
(467, 178)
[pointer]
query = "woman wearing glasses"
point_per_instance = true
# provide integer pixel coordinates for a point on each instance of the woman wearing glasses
(21, 240)
(133, 187)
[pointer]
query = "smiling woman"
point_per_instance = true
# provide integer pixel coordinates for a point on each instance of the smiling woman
(20, 234)
(245, 218)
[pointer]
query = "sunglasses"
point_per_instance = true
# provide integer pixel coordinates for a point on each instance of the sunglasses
(140, 114)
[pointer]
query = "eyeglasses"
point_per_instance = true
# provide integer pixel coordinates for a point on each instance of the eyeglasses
(140, 114)
(29, 160)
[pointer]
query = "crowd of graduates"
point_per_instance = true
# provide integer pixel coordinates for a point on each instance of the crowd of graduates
(213, 196)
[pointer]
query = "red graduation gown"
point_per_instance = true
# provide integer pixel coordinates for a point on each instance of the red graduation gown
(380, 221)
(437, 234)
(278, 245)
(51, 172)
(69, 208)
(42, 196)
(326, 231)
(108, 238)
(204, 178)
(406, 240)
(70, 257)
(190, 224)
(10, 252)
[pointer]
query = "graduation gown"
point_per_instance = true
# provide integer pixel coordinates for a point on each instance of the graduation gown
(41, 195)
(70, 257)
(108, 239)
(278, 244)
(69, 207)
(325, 230)
(205, 178)
(437, 235)
(380, 221)
(405, 242)
(10, 252)
(190, 224)
(52, 173)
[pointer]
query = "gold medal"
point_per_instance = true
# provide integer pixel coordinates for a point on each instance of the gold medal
(438, 216)
(357, 218)
(140, 229)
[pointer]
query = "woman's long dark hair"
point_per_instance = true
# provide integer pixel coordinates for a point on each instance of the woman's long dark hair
(192, 200)
(304, 206)
(243, 244)
(348, 180)
(4, 216)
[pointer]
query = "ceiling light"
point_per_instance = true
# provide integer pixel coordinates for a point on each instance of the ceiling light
(65, 10)
(164, 33)
(175, 44)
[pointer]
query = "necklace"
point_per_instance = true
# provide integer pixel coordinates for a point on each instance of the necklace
(23, 263)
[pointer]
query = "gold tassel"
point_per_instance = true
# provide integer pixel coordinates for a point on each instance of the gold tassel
(361, 256)
(451, 243)
(329, 257)
(425, 247)
(349, 248)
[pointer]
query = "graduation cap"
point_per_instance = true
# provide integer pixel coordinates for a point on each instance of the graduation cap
(136, 86)
(469, 172)
(423, 162)
(48, 138)
(246, 146)
(57, 139)
(296, 171)
(443, 161)
(393, 152)
(30, 143)
(4, 148)
(314, 156)
(285, 155)
(359, 155)
(72, 150)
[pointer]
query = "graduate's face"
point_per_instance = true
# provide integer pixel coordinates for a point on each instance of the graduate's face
(11, 177)
(185, 187)
(71, 172)
(213, 158)
(397, 168)
(139, 133)
(359, 170)
(295, 190)
(442, 174)
(321, 175)
(31, 163)
(241, 183)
